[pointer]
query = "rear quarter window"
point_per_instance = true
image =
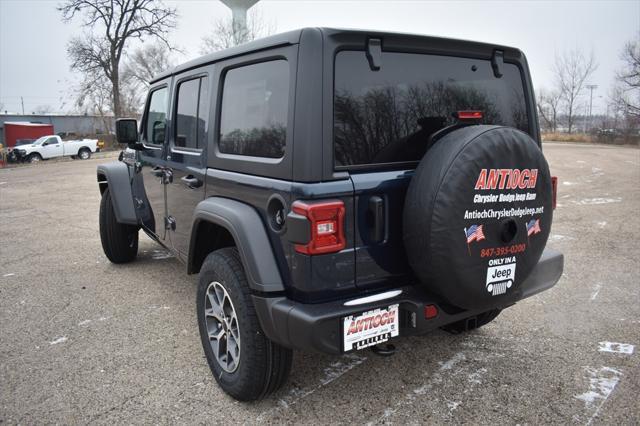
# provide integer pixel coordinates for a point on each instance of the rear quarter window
(255, 104)
(388, 116)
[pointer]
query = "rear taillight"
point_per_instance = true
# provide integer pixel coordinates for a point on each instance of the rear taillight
(554, 191)
(326, 220)
(469, 115)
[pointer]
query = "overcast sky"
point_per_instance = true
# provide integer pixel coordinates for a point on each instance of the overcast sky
(33, 40)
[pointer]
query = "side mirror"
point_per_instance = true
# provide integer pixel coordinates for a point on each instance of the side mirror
(127, 132)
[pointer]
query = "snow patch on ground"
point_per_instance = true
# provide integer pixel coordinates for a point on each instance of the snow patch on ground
(596, 290)
(453, 405)
(602, 224)
(58, 340)
(160, 254)
(448, 369)
(334, 371)
(602, 382)
(620, 348)
(599, 200)
(558, 237)
(475, 377)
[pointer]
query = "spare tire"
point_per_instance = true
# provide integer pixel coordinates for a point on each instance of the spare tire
(477, 215)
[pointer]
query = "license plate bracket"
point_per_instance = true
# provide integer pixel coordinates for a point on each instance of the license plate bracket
(370, 328)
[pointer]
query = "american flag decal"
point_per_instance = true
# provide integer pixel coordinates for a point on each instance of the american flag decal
(474, 233)
(533, 227)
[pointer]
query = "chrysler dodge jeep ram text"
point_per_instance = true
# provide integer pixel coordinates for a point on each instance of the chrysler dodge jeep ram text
(335, 189)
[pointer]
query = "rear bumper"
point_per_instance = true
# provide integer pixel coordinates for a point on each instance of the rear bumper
(318, 327)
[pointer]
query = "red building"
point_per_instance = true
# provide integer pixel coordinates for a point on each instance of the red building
(14, 130)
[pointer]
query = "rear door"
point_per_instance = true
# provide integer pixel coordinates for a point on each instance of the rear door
(383, 122)
(187, 155)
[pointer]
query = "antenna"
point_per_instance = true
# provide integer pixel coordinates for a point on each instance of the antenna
(239, 10)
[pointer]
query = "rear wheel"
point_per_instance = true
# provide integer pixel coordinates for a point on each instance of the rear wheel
(245, 363)
(34, 158)
(84, 154)
(119, 241)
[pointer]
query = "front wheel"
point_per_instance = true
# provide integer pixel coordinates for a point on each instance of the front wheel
(245, 363)
(34, 158)
(119, 241)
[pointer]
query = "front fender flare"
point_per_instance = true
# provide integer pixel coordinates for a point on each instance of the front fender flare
(116, 174)
(245, 226)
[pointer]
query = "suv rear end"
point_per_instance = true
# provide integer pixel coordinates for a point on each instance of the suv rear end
(367, 107)
(334, 189)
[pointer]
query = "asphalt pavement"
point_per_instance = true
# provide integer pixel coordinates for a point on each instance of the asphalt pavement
(86, 341)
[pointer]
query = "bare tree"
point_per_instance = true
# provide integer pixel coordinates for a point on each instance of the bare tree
(112, 24)
(628, 92)
(148, 61)
(572, 70)
(549, 107)
(227, 33)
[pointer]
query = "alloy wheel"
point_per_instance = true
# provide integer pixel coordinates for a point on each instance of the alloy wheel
(222, 327)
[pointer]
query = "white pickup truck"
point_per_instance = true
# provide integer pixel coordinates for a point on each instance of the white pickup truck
(53, 146)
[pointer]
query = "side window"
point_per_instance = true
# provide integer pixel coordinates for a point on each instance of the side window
(52, 141)
(156, 117)
(192, 114)
(255, 103)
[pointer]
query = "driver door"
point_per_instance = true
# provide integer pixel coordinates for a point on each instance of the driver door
(151, 164)
(51, 148)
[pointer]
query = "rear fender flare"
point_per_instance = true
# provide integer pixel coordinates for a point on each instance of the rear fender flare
(247, 229)
(116, 175)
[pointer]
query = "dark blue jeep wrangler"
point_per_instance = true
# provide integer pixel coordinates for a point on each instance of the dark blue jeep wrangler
(335, 189)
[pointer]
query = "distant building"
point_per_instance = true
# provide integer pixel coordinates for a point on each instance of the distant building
(78, 124)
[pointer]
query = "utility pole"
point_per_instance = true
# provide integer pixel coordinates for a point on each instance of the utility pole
(591, 88)
(22, 102)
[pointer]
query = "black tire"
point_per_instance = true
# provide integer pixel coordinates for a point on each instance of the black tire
(84, 153)
(119, 241)
(34, 158)
(472, 323)
(263, 365)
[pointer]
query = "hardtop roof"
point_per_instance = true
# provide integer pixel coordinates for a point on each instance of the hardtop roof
(293, 37)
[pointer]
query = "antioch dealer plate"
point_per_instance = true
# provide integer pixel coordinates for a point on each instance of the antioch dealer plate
(370, 328)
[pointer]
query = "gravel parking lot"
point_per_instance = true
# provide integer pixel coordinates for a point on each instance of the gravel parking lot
(83, 340)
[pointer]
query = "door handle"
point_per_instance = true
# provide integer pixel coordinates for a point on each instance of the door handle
(191, 181)
(377, 219)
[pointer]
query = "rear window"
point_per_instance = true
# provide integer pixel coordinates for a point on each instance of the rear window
(388, 116)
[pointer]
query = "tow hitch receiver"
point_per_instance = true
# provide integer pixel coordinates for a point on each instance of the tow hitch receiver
(384, 349)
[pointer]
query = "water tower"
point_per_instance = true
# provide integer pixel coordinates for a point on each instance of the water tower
(239, 12)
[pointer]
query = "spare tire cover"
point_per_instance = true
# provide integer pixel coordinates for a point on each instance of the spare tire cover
(477, 215)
